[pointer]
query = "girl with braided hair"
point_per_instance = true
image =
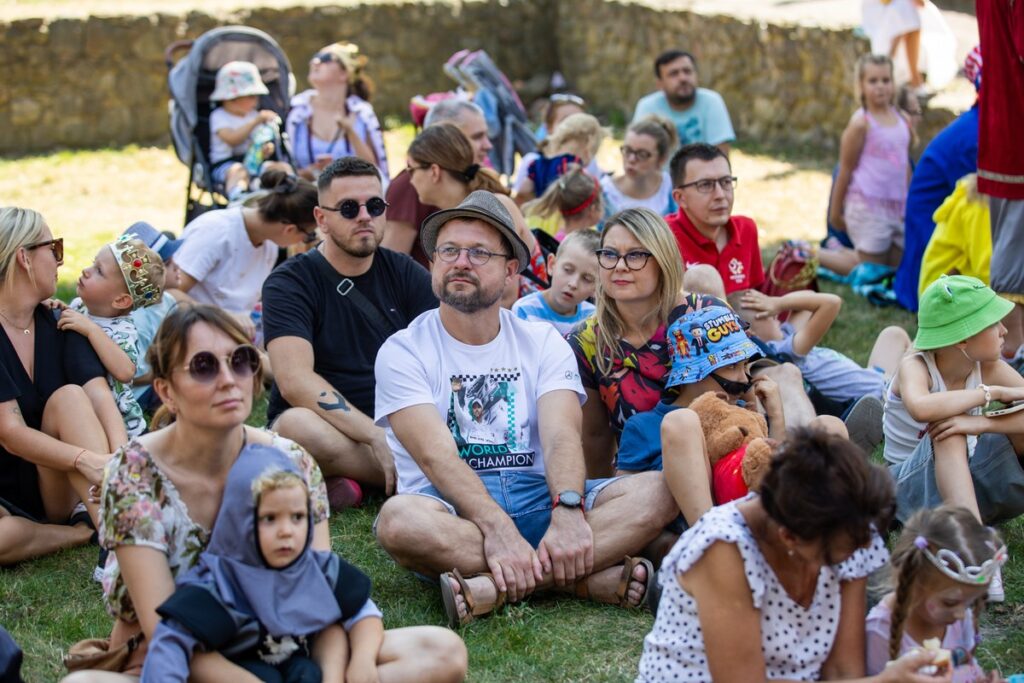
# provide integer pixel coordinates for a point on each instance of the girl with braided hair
(942, 565)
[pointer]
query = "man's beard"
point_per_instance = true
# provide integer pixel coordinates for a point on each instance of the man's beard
(682, 100)
(362, 248)
(470, 301)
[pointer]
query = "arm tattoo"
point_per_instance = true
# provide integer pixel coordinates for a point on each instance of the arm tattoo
(339, 404)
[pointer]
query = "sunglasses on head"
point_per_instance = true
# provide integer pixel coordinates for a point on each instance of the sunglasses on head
(243, 362)
(324, 57)
(56, 246)
(349, 208)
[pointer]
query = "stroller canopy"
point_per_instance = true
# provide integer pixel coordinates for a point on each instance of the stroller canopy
(191, 81)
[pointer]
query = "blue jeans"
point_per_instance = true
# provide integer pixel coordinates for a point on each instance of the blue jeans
(525, 498)
(995, 470)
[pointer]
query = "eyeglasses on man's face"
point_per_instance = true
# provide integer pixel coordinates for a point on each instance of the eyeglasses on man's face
(478, 256)
(707, 185)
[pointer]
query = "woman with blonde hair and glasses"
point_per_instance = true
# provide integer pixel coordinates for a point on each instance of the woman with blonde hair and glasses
(58, 419)
(162, 492)
(621, 350)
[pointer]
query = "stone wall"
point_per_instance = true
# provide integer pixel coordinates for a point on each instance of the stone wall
(781, 84)
(102, 81)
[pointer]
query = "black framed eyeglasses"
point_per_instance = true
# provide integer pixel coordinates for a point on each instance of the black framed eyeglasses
(243, 362)
(477, 256)
(409, 168)
(640, 154)
(349, 208)
(634, 260)
(56, 245)
(707, 185)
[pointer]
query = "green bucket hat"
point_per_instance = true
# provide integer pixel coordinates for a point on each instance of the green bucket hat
(956, 307)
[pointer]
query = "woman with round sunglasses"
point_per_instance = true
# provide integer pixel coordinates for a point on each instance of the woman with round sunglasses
(621, 351)
(644, 182)
(226, 255)
(58, 419)
(334, 118)
(442, 171)
(161, 494)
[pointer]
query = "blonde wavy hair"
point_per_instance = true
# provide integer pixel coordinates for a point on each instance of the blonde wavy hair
(579, 128)
(653, 233)
(18, 228)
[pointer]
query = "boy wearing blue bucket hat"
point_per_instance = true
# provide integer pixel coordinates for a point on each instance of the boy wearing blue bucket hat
(954, 412)
(710, 352)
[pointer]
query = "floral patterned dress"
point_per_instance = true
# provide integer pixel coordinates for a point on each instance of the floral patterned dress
(140, 506)
(123, 332)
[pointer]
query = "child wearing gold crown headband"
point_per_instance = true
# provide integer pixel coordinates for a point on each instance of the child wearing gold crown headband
(124, 276)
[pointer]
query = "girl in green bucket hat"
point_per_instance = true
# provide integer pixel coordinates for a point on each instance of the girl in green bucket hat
(954, 411)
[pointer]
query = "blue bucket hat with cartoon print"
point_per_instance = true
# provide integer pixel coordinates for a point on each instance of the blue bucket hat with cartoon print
(703, 341)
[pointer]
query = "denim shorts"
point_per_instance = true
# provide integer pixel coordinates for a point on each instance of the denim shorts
(525, 498)
(995, 470)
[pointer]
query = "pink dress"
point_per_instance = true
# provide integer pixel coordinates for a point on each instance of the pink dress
(959, 635)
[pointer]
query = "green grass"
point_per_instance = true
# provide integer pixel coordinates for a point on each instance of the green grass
(50, 603)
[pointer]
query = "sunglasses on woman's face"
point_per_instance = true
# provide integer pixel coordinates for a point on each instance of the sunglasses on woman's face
(243, 362)
(323, 58)
(55, 245)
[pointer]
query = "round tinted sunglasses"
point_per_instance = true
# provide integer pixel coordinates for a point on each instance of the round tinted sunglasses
(243, 362)
(349, 208)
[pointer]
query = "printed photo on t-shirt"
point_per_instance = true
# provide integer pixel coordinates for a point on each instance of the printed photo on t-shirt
(485, 420)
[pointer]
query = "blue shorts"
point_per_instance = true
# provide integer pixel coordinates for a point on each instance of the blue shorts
(525, 498)
(995, 470)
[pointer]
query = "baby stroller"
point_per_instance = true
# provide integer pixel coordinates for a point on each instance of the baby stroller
(508, 125)
(191, 82)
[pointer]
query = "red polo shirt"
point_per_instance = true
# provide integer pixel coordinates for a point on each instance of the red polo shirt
(739, 263)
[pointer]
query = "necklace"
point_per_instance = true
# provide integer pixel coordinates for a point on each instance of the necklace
(24, 330)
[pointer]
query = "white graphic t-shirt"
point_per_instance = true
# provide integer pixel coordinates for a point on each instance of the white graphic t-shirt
(487, 395)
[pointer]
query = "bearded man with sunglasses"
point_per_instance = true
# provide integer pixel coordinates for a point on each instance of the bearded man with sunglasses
(325, 315)
(482, 411)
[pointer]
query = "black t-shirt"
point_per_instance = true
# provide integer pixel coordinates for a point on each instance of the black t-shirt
(60, 358)
(301, 298)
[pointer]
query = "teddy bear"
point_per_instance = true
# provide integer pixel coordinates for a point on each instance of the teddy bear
(737, 445)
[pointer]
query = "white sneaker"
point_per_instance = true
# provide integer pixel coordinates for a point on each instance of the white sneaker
(995, 588)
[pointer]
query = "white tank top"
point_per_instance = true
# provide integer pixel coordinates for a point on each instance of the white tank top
(902, 432)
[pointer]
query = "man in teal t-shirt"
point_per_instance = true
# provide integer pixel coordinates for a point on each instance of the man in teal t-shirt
(700, 115)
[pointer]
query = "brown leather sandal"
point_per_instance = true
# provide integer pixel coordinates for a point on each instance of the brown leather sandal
(582, 590)
(473, 609)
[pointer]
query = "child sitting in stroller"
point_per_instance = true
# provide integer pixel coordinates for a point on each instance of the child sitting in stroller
(241, 138)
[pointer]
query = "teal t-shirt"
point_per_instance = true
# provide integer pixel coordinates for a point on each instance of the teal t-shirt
(706, 121)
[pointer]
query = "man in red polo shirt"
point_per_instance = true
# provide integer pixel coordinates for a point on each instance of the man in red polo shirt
(704, 227)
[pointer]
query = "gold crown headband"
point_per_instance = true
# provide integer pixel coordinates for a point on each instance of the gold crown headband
(134, 267)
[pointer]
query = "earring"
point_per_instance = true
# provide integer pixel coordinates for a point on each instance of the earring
(790, 552)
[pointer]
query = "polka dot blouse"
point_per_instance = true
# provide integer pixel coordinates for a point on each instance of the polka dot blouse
(796, 641)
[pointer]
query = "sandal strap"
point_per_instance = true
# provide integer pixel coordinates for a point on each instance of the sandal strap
(628, 565)
(472, 604)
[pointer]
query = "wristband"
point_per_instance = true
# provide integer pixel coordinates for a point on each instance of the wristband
(988, 394)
